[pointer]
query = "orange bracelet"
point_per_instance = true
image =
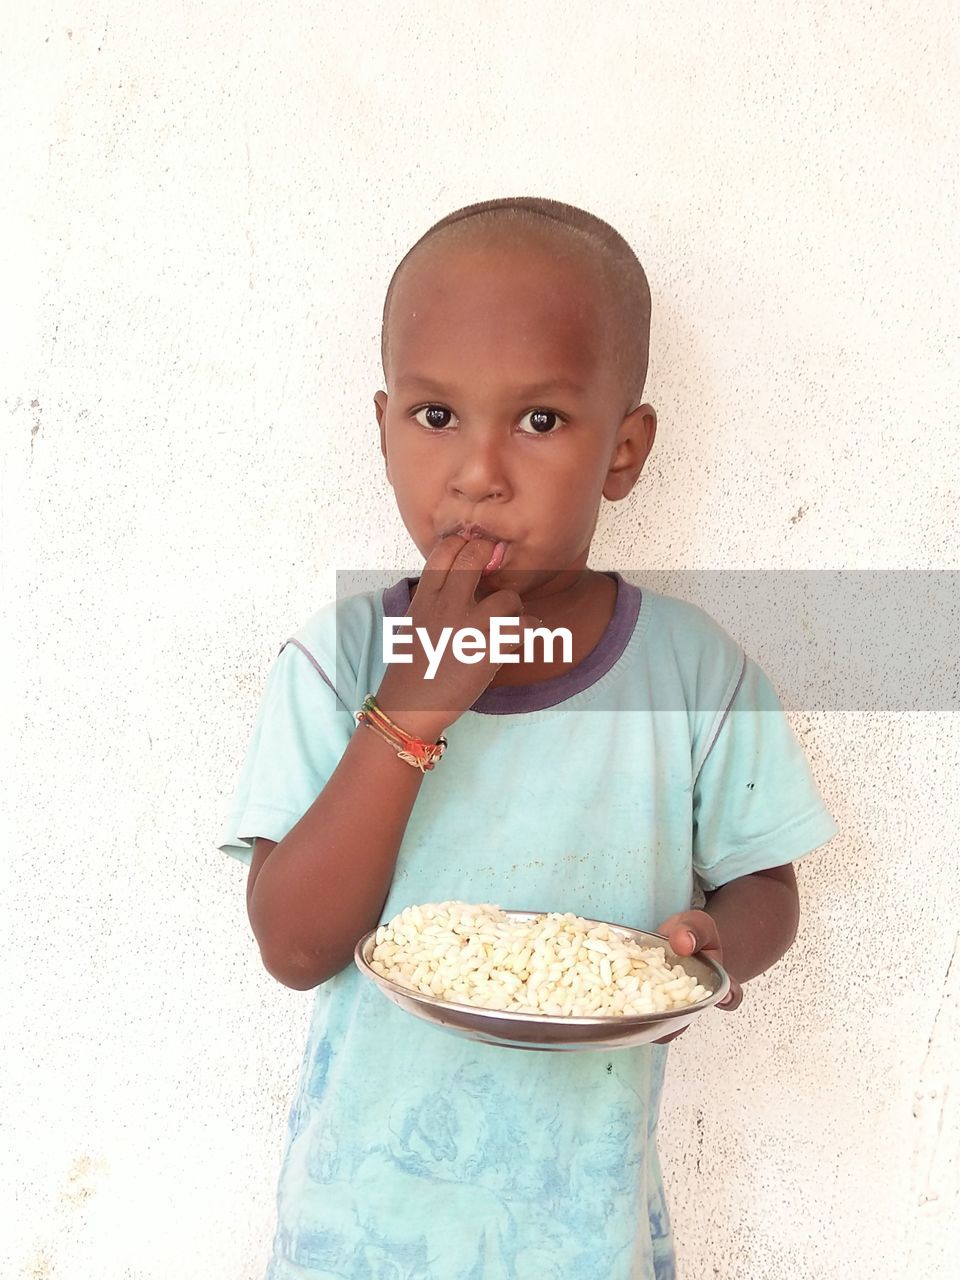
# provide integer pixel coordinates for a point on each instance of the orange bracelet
(422, 755)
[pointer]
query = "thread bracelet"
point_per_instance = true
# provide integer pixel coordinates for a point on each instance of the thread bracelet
(414, 751)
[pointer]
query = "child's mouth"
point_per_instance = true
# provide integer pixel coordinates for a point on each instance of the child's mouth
(496, 559)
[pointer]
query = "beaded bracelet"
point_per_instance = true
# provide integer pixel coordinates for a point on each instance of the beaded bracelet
(422, 755)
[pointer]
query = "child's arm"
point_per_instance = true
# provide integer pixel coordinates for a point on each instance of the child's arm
(313, 895)
(757, 918)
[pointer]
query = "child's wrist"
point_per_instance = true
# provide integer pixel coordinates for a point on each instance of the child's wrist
(428, 726)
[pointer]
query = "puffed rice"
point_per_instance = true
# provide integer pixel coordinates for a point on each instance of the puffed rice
(556, 964)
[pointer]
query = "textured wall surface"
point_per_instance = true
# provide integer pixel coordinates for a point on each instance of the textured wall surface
(207, 203)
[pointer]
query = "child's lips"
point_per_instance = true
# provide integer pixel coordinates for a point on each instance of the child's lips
(496, 559)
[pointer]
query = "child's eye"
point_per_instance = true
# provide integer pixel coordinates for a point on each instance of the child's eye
(436, 416)
(542, 420)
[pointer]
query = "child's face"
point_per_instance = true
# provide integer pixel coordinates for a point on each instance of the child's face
(504, 408)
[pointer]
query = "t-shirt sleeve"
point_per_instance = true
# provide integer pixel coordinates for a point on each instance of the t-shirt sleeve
(299, 735)
(755, 803)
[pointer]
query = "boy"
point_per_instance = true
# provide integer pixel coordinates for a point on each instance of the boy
(651, 764)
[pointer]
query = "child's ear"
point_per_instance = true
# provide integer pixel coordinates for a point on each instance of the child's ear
(635, 437)
(380, 405)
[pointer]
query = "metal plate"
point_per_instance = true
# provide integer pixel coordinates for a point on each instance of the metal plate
(546, 1031)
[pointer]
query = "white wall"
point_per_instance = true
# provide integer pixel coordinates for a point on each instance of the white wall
(208, 201)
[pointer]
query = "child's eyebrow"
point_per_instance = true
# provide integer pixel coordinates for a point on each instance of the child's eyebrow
(537, 389)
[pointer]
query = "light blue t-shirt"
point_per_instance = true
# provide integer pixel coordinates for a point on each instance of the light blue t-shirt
(660, 765)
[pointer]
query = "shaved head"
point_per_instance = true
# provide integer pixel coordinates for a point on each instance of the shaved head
(569, 233)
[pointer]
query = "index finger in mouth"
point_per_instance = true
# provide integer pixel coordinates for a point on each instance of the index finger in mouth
(486, 558)
(454, 551)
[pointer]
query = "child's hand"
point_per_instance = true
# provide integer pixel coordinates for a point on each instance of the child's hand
(446, 597)
(692, 931)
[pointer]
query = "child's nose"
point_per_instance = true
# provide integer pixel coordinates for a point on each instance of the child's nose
(478, 471)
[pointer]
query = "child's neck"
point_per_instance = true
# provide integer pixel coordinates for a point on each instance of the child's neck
(585, 609)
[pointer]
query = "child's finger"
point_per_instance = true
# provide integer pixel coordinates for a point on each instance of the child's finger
(733, 999)
(467, 570)
(691, 931)
(455, 565)
(527, 622)
(438, 564)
